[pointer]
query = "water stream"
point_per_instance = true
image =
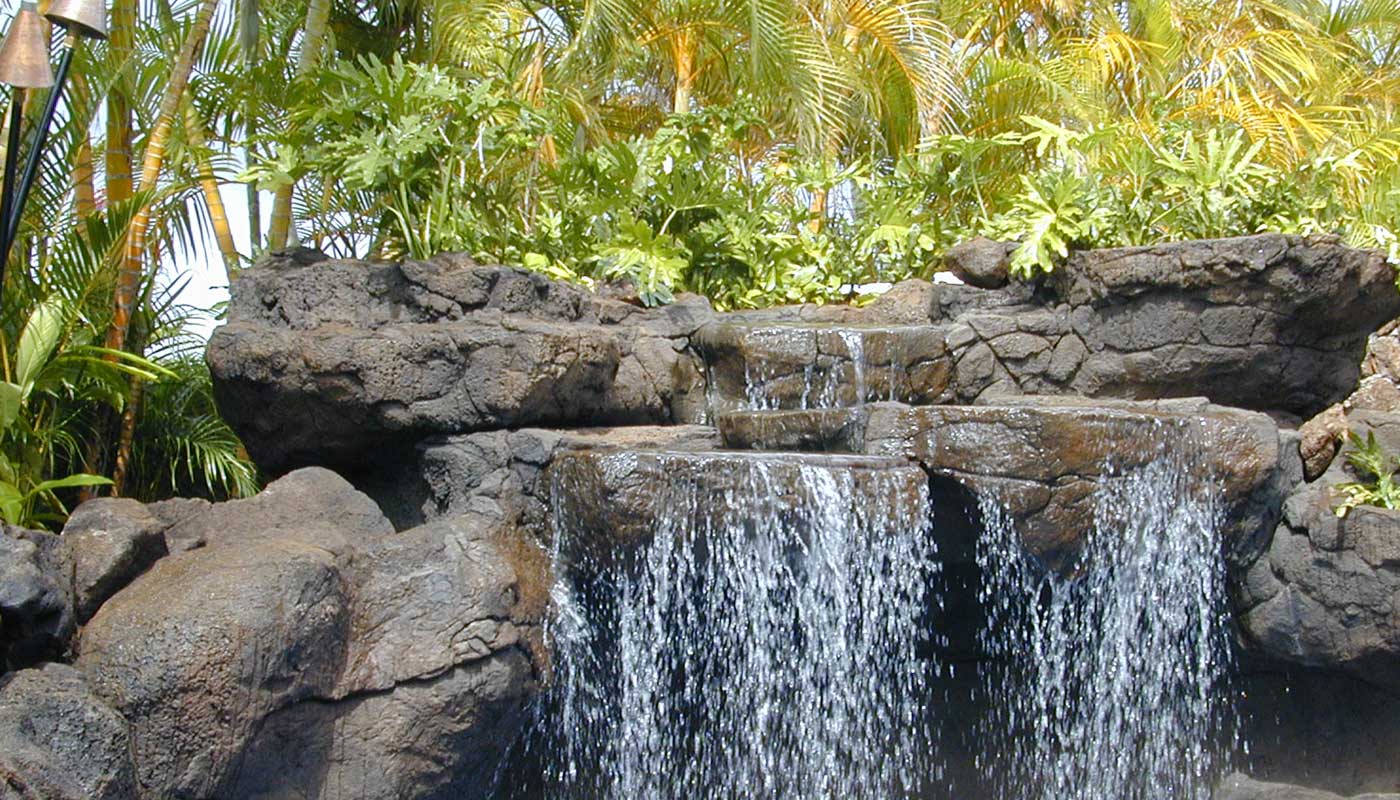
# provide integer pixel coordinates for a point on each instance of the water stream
(770, 637)
(762, 644)
(1110, 683)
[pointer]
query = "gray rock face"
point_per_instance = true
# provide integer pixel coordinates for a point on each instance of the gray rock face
(981, 262)
(297, 623)
(358, 357)
(1043, 458)
(368, 359)
(58, 741)
(106, 543)
(36, 612)
(452, 473)
(1239, 787)
(1327, 592)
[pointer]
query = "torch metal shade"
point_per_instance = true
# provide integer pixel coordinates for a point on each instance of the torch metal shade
(85, 17)
(24, 57)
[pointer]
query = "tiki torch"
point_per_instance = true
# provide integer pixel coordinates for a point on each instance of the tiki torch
(80, 18)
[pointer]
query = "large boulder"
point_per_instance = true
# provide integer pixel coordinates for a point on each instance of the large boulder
(1327, 591)
(981, 262)
(360, 357)
(1043, 459)
(58, 741)
(451, 473)
(36, 610)
(105, 544)
(298, 625)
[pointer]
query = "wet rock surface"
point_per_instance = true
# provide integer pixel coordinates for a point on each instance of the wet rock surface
(1240, 787)
(1043, 458)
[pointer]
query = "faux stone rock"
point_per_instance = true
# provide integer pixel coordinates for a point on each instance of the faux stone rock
(303, 604)
(106, 543)
(36, 615)
(1239, 787)
(359, 357)
(1319, 440)
(1041, 458)
(452, 473)
(615, 494)
(58, 741)
(981, 262)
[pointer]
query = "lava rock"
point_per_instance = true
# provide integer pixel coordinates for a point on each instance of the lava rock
(36, 611)
(303, 604)
(361, 357)
(58, 741)
(1240, 787)
(106, 543)
(1043, 458)
(981, 262)
(1327, 591)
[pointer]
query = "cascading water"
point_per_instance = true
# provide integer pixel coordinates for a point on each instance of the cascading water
(1111, 679)
(839, 375)
(761, 644)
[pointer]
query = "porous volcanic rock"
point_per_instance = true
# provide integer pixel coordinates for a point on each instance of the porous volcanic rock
(105, 544)
(1327, 592)
(1240, 787)
(36, 609)
(981, 262)
(296, 628)
(58, 741)
(1042, 458)
(364, 360)
(450, 473)
(358, 357)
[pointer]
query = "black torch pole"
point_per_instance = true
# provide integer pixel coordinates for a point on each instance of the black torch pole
(12, 153)
(36, 154)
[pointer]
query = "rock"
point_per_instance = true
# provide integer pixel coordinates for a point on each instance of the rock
(296, 627)
(981, 262)
(1239, 787)
(1319, 440)
(1043, 457)
(36, 613)
(1325, 592)
(360, 357)
(1265, 322)
(614, 495)
(106, 543)
(451, 474)
(754, 364)
(365, 360)
(58, 741)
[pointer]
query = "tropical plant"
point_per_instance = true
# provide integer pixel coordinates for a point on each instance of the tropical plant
(1377, 467)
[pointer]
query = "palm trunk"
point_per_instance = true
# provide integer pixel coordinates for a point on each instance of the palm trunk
(84, 192)
(209, 186)
(132, 270)
(685, 74)
(120, 49)
(318, 14)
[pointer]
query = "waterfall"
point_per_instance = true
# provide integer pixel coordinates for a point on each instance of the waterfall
(1111, 679)
(761, 644)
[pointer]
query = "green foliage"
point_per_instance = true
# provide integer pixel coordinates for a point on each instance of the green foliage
(1377, 468)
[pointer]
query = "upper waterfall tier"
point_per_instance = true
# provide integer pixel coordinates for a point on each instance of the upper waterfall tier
(360, 359)
(617, 495)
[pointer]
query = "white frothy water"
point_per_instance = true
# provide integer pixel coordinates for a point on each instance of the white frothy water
(762, 644)
(1112, 680)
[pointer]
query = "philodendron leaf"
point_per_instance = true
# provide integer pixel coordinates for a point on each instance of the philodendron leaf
(11, 399)
(37, 342)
